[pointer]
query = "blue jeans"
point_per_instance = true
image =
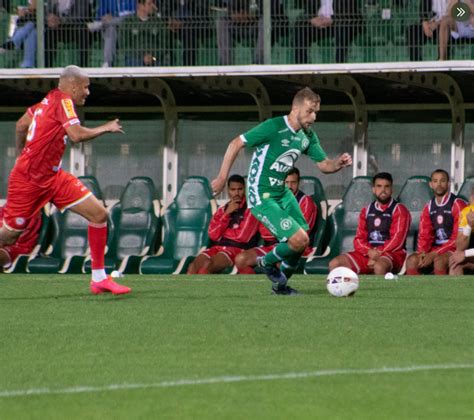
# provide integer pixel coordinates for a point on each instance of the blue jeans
(26, 35)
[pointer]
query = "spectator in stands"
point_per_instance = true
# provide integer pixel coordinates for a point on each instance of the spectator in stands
(438, 229)
(243, 21)
(326, 18)
(110, 14)
(232, 230)
(25, 243)
(463, 258)
(24, 35)
(431, 14)
(66, 22)
(140, 36)
(457, 29)
(188, 25)
(379, 244)
(246, 260)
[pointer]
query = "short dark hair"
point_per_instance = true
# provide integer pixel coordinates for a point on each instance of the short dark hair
(236, 178)
(306, 94)
(440, 171)
(382, 175)
(294, 171)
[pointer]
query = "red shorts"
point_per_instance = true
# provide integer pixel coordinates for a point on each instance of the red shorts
(25, 199)
(229, 251)
(359, 262)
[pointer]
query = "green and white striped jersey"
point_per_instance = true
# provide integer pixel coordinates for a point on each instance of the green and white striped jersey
(277, 148)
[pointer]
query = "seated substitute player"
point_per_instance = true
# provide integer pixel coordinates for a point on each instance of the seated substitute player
(379, 244)
(463, 258)
(246, 260)
(25, 243)
(439, 224)
(37, 177)
(232, 230)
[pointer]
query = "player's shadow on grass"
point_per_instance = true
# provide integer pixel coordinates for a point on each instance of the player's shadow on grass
(71, 296)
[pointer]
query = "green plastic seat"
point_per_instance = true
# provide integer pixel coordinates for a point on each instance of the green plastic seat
(312, 186)
(466, 188)
(185, 225)
(414, 194)
(69, 246)
(342, 224)
(137, 224)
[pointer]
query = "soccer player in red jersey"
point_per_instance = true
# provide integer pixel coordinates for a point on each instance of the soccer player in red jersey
(37, 177)
(232, 230)
(439, 225)
(25, 243)
(248, 259)
(379, 244)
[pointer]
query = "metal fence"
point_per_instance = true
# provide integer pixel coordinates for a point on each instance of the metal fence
(94, 33)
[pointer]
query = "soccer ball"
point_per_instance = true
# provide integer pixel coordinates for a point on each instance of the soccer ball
(342, 282)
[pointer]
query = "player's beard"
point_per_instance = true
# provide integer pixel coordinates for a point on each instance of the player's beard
(385, 200)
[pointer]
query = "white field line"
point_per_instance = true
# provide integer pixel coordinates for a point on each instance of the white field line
(231, 379)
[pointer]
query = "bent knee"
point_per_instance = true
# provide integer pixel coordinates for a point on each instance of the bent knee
(99, 216)
(299, 242)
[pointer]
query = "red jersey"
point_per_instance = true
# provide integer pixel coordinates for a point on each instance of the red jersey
(29, 237)
(309, 210)
(446, 216)
(41, 157)
(238, 229)
(397, 231)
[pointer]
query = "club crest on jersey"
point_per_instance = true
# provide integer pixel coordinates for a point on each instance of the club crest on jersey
(286, 161)
(377, 222)
(68, 107)
(286, 224)
(305, 143)
(439, 219)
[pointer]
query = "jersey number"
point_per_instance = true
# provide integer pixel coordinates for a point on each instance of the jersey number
(32, 127)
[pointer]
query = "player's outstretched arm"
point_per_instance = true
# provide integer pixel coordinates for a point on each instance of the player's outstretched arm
(231, 154)
(21, 131)
(329, 166)
(77, 133)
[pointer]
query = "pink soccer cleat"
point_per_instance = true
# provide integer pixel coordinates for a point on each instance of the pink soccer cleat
(108, 286)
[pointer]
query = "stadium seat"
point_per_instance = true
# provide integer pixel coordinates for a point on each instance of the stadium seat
(414, 194)
(312, 186)
(69, 246)
(20, 263)
(342, 224)
(466, 188)
(185, 227)
(136, 220)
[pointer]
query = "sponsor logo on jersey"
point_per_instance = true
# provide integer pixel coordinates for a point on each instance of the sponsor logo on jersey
(20, 221)
(68, 107)
(274, 181)
(268, 224)
(254, 175)
(285, 142)
(286, 161)
(286, 224)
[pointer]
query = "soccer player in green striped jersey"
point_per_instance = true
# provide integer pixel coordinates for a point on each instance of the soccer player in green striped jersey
(278, 143)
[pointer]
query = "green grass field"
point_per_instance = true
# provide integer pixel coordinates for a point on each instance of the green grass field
(223, 347)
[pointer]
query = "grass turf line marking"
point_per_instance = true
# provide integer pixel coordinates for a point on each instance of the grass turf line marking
(231, 379)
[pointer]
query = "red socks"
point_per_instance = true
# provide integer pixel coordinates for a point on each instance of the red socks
(97, 241)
